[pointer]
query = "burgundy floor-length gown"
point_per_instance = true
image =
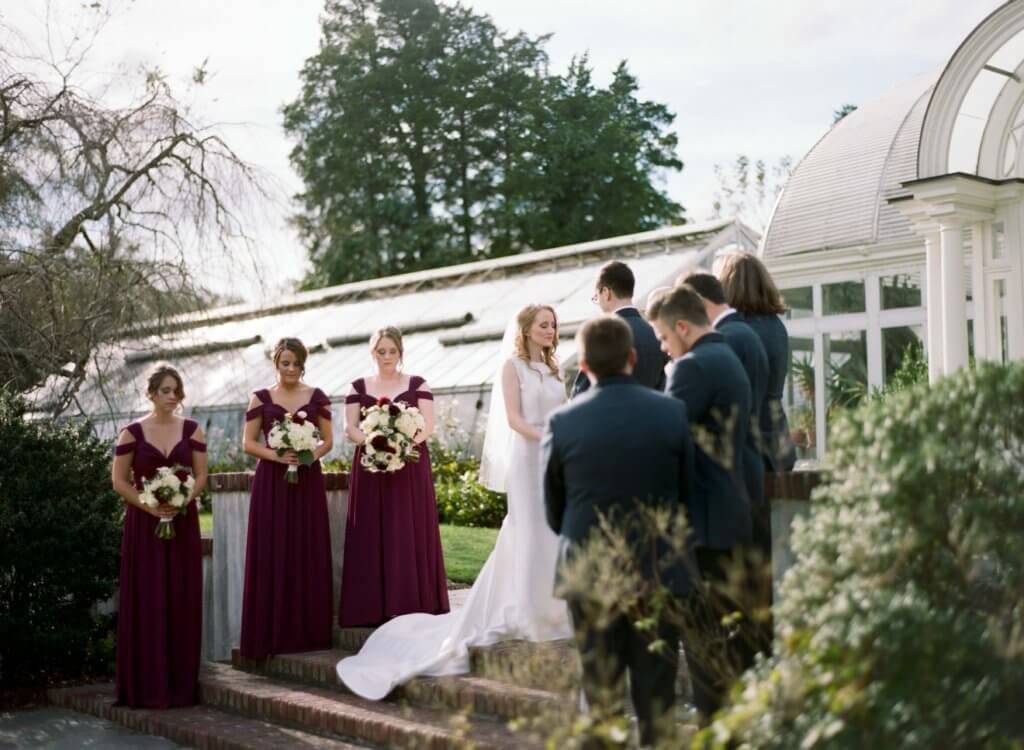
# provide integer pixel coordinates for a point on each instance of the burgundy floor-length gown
(286, 607)
(160, 618)
(394, 564)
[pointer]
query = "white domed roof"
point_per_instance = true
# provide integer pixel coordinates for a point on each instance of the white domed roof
(837, 195)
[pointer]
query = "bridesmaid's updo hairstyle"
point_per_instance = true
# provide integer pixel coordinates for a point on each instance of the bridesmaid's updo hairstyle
(156, 377)
(388, 332)
(748, 286)
(525, 320)
(293, 345)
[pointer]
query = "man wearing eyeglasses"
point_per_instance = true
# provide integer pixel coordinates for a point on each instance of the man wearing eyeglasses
(614, 294)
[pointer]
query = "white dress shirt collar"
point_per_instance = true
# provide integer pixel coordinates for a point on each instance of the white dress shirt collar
(726, 312)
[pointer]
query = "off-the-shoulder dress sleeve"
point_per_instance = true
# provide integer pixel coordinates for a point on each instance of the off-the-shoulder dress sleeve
(257, 411)
(135, 430)
(322, 404)
(196, 445)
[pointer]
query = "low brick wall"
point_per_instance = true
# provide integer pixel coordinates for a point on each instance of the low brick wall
(224, 570)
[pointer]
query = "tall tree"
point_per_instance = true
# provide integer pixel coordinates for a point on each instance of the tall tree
(426, 136)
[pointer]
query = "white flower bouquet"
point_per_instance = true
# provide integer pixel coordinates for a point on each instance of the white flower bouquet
(390, 427)
(171, 486)
(295, 432)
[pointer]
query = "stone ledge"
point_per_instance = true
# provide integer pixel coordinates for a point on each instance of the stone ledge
(241, 481)
(792, 485)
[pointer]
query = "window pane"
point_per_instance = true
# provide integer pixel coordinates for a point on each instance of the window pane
(844, 297)
(1004, 331)
(846, 376)
(800, 397)
(903, 357)
(998, 241)
(901, 290)
(800, 302)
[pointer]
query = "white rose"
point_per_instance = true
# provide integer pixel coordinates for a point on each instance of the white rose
(148, 499)
(406, 424)
(301, 414)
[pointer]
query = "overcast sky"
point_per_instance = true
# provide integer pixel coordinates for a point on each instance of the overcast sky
(741, 75)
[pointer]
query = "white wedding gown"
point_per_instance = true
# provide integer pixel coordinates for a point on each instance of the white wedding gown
(512, 597)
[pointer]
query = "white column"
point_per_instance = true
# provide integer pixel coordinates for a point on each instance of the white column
(954, 305)
(985, 335)
(933, 302)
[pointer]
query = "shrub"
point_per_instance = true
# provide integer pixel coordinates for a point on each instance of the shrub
(461, 499)
(902, 622)
(60, 532)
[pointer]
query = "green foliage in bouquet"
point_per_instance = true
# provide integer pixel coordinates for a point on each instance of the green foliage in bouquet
(60, 533)
(902, 623)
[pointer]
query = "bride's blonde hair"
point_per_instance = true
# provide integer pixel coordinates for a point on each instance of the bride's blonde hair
(524, 320)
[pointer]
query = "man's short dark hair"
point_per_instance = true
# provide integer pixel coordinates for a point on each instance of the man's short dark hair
(615, 275)
(679, 303)
(605, 343)
(707, 286)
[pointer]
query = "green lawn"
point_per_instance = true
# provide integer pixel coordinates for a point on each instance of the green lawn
(465, 549)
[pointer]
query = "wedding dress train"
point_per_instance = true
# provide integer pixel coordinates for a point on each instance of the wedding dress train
(511, 598)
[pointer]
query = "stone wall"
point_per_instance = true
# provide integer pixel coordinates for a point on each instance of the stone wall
(224, 573)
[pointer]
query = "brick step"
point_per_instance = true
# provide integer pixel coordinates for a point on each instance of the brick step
(470, 694)
(548, 666)
(344, 716)
(201, 727)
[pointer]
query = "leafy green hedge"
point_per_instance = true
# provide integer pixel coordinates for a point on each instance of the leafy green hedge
(461, 499)
(60, 534)
(902, 621)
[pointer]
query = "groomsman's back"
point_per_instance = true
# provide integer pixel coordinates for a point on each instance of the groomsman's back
(708, 377)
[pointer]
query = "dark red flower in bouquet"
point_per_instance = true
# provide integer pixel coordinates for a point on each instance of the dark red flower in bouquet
(297, 418)
(182, 475)
(380, 443)
(383, 401)
(393, 410)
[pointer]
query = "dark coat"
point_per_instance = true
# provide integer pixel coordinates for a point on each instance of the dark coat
(650, 360)
(619, 447)
(710, 380)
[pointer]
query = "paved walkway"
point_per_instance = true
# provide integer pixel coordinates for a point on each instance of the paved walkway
(68, 730)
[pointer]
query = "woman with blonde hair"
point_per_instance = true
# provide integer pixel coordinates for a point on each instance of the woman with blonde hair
(512, 597)
(394, 564)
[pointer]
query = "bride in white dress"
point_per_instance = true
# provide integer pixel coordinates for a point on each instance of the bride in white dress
(512, 597)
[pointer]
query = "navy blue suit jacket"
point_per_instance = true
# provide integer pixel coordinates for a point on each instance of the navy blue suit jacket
(650, 360)
(776, 444)
(747, 345)
(710, 380)
(619, 447)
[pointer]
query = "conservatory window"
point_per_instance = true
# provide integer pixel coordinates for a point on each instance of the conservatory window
(843, 297)
(976, 107)
(800, 396)
(846, 371)
(901, 290)
(800, 302)
(999, 289)
(902, 346)
(998, 241)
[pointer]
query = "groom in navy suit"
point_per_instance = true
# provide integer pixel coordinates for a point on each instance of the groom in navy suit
(616, 450)
(613, 293)
(709, 378)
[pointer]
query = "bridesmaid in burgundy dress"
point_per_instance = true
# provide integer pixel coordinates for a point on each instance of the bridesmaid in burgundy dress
(288, 596)
(393, 559)
(159, 627)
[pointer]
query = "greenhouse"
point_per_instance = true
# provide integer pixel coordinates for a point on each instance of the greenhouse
(899, 234)
(453, 319)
